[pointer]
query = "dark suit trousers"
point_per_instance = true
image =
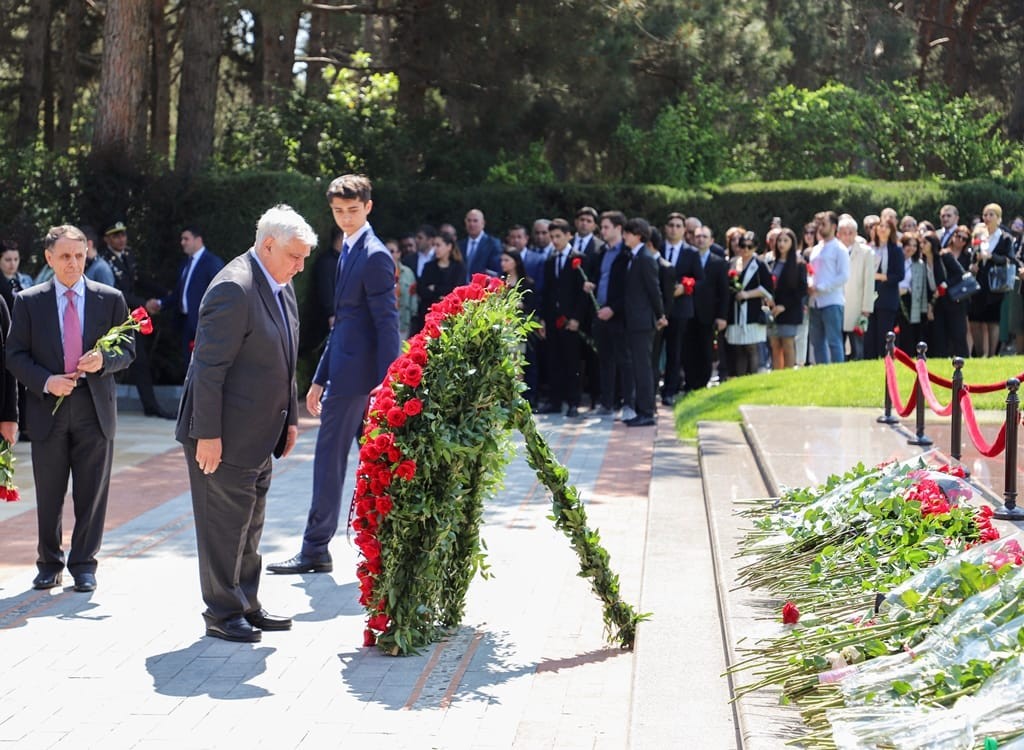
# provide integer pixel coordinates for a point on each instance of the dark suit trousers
(616, 371)
(673, 336)
(880, 322)
(641, 348)
(229, 506)
(698, 354)
(564, 352)
(75, 446)
(341, 421)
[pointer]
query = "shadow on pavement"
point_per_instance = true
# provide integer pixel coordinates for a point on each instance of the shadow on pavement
(17, 610)
(219, 670)
(327, 599)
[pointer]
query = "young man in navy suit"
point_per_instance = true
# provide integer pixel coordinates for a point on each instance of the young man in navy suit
(363, 343)
(194, 276)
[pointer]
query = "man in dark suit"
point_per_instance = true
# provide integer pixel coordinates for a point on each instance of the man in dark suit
(645, 314)
(194, 276)
(238, 407)
(564, 301)
(126, 278)
(607, 274)
(710, 311)
(50, 350)
(586, 242)
(362, 345)
(481, 251)
(685, 262)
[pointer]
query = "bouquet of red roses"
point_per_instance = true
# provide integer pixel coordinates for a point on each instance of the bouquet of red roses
(116, 337)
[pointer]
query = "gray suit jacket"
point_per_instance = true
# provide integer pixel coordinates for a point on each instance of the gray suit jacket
(240, 385)
(35, 351)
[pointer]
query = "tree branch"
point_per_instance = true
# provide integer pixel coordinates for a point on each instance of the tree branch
(366, 10)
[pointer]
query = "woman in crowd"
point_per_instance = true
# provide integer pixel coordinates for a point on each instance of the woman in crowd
(916, 292)
(889, 272)
(514, 273)
(732, 239)
(405, 289)
(442, 273)
(790, 276)
(984, 307)
(751, 282)
(949, 332)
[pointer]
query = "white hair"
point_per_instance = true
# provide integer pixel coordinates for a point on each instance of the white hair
(284, 224)
(847, 222)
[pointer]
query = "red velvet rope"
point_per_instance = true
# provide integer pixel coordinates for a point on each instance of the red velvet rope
(989, 451)
(929, 395)
(894, 390)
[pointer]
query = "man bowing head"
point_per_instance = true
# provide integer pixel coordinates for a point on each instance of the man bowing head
(238, 407)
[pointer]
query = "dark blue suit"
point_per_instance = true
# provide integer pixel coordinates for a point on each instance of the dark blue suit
(361, 346)
(207, 267)
(486, 258)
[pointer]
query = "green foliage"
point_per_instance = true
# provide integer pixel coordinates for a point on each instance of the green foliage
(531, 168)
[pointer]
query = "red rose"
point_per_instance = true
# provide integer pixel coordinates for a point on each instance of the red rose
(406, 470)
(369, 639)
(384, 505)
(418, 355)
(192, 346)
(384, 441)
(139, 313)
(412, 289)
(495, 284)
(480, 279)
(810, 270)
(378, 622)
(369, 452)
(790, 614)
(145, 326)
(431, 330)
(394, 455)
(396, 417)
(896, 330)
(560, 322)
(858, 331)
(688, 283)
(577, 262)
(733, 273)
(412, 375)
(412, 407)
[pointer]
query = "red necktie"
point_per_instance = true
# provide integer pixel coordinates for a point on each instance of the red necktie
(72, 334)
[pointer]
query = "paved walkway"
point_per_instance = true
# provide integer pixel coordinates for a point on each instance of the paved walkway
(127, 666)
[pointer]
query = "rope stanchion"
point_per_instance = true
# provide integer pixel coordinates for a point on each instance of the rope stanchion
(920, 438)
(890, 374)
(956, 422)
(905, 359)
(1010, 511)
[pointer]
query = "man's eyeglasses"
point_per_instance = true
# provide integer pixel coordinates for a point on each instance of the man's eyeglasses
(747, 245)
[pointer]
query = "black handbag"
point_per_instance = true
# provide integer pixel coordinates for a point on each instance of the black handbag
(1001, 278)
(967, 287)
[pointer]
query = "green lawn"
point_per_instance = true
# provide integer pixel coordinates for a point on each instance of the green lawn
(848, 384)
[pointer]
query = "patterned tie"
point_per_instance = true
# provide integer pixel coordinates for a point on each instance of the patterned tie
(72, 333)
(284, 315)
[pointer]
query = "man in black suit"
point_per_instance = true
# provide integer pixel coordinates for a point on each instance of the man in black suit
(239, 405)
(645, 314)
(586, 242)
(685, 261)
(50, 349)
(710, 310)
(194, 276)
(481, 251)
(126, 278)
(607, 273)
(564, 301)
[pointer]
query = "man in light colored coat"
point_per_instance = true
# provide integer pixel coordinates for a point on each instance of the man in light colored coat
(860, 287)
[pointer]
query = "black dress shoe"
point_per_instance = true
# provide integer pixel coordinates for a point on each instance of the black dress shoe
(640, 422)
(234, 629)
(46, 581)
(302, 564)
(266, 621)
(572, 411)
(85, 582)
(668, 400)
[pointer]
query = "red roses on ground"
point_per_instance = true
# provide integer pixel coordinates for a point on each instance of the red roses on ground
(790, 614)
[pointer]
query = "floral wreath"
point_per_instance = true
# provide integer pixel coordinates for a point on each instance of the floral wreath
(434, 447)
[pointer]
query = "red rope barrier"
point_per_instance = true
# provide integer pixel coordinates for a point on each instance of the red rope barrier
(929, 395)
(894, 390)
(989, 451)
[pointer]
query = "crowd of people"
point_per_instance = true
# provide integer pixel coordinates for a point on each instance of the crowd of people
(630, 313)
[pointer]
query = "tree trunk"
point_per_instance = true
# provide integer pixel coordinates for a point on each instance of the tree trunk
(197, 97)
(412, 53)
(280, 26)
(67, 77)
(116, 138)
(319, 46)
(160, 85)
(1015, 122)
(34, 54)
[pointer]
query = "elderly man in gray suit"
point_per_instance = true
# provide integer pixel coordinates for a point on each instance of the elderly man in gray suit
(238, 407)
